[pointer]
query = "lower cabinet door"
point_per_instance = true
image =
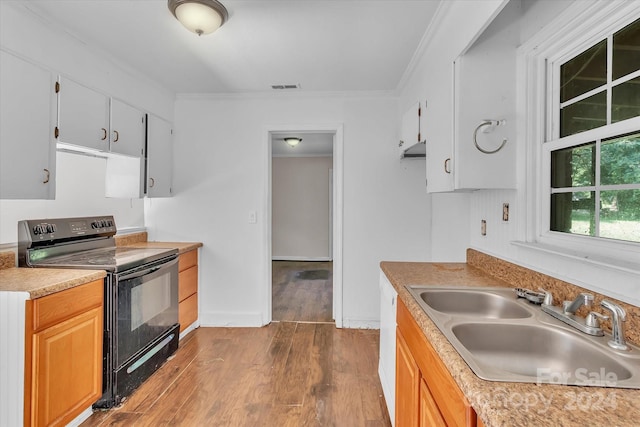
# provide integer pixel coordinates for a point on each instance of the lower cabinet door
(430, 415)
(407, 385)
(67, 369)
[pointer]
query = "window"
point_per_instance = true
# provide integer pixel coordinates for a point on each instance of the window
(592, 149)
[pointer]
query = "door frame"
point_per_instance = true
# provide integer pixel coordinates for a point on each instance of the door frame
(337, 203)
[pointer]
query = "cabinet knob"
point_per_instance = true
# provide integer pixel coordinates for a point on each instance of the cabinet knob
(104, 134)
(47, 175)
(116, 136)
(447, 165)
(152, 182)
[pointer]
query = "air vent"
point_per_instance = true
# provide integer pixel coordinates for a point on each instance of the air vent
(297, 86)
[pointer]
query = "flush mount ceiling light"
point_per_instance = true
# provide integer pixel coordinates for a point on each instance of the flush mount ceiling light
(292, 141)
(199, 16)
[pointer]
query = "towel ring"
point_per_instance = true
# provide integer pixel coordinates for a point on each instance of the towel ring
(492, 123)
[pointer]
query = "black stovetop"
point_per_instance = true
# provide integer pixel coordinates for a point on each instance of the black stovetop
(114, 259)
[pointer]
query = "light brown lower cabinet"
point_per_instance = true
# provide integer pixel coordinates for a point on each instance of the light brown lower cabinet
(188, 289)
(63, 354)
(426, 394)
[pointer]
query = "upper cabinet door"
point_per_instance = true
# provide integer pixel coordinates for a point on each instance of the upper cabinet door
(83, 116)
(127, 129)
(438, 119)
(27, 116)
(159, 157)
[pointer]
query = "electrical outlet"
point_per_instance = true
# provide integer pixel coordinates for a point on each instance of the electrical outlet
(483, 227)
(253, 217)
(505, 212)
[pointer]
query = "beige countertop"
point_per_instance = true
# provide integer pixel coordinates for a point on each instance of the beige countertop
(139, 240)
(39, 282)
(501, 403)
(182, 247)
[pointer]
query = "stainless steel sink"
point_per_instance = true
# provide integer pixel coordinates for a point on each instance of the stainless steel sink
(485, 304)
(507, 339)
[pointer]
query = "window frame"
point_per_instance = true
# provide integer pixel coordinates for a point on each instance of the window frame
(542, 57)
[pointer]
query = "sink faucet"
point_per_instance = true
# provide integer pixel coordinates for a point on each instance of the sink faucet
(618, 315)
(570, 307)
(589, 325)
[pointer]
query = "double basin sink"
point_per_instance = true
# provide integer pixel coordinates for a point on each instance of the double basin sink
(503, 338)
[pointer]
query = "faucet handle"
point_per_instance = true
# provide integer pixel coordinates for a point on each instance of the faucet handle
(548, 298)
(593, 319)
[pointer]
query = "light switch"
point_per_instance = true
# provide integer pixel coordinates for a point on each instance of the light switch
(253, 217)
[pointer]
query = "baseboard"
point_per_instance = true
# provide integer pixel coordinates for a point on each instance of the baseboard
(361, 324)
(300, 258)
(191, 327)
(221, 319)
(81, 418)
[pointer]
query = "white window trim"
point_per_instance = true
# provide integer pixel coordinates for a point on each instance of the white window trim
(585, 261)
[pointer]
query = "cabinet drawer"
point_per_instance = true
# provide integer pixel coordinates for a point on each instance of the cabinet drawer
(188, 259)
(64, 305)
(188, 311)
(187, 282)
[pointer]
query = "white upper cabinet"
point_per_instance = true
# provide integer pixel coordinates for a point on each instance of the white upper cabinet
(159, 157)
(127, 129)
(83, 116)
(90, 119)
(472, 110)
(27, 117)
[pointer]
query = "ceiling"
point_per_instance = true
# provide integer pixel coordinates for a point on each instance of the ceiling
(324, 46)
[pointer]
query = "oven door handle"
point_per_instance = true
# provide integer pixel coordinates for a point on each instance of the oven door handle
(147, 271)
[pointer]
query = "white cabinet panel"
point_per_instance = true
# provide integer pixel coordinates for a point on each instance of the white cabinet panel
(438, 116)
(83, 116)
(387, 363)
(127, 129)
(27, 116)
(159, 157)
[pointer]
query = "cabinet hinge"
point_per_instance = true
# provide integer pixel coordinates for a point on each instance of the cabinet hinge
(419, 111)
(56, 132)
(57, 87)
(419, 138)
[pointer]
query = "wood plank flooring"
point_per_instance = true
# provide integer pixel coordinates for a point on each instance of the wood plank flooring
(302, 291)
(284, 374)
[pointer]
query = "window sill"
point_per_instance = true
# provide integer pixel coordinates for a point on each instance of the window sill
(609, 276)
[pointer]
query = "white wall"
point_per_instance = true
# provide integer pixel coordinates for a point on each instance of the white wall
(300, 208)
(79, 192)
(80, 180)
(219, 166)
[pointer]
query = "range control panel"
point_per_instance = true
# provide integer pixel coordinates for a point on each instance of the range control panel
(35, 232)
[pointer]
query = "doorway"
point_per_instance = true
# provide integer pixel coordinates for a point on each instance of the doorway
(304, 232)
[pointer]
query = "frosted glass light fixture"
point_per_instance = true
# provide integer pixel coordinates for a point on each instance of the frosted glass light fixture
(199, 16)
(292, 141)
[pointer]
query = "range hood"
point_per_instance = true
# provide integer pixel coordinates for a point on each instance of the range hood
(416, 151)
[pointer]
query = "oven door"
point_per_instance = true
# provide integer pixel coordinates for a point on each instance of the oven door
(147, 307)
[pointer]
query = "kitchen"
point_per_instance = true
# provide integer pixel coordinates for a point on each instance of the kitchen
(213, 195)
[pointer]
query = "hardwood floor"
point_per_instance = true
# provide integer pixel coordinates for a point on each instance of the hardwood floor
(284, 374)
(302, 291)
